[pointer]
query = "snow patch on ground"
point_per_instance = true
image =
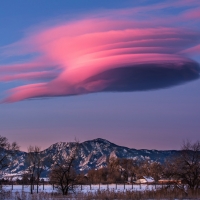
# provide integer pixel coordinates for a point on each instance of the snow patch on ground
(83, 188)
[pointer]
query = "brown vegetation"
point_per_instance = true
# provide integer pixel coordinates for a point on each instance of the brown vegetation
(165, 193)
(180, 174)
(185, 168)
(125, 170)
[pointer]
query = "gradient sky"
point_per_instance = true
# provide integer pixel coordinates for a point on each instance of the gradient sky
(59, 78)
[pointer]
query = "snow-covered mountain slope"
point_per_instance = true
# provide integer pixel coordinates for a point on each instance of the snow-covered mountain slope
(92, 154)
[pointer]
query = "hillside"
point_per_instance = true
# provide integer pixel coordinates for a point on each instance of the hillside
(92, 154)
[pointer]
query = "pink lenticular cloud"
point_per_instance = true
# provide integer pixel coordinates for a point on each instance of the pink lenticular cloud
(98, 55)
(29, 76)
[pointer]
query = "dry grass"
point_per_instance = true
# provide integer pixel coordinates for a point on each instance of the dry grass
(165, 193)
(137, 195)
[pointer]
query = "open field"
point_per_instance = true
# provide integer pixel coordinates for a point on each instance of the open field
(84, 188)
(105, 192)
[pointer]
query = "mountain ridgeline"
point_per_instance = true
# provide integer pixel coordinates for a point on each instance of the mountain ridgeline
(92, 154)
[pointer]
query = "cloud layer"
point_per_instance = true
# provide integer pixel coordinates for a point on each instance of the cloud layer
(104, 54)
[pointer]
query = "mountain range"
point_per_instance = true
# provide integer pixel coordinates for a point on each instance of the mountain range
(92, 154)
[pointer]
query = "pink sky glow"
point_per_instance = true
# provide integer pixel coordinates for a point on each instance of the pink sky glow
(70, 53)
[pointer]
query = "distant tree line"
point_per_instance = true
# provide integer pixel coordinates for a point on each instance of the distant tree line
(184, 169)
(124, 170)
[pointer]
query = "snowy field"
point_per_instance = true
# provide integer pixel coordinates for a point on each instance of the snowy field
(18, 192)
(83, 188)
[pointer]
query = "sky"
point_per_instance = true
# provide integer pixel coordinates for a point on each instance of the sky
(126, 71)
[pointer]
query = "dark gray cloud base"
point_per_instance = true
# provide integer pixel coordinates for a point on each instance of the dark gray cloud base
(147, 76)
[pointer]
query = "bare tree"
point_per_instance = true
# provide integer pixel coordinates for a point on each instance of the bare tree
(186, 167)
(150, 168)
(35, 165)
(7, 152)
(130, 168)
(189, 164)
(63, 173)
(113, 170)
(156, 170)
